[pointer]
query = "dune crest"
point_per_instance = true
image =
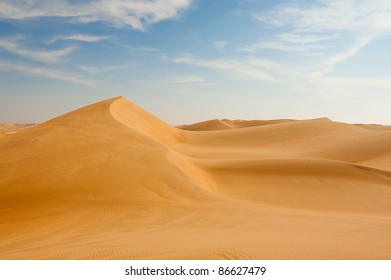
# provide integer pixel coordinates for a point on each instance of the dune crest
(112, 181)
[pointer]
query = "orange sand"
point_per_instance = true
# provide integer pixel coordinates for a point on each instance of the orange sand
(111, 181)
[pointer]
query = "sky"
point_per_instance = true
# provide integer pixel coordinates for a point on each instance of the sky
(192, 60)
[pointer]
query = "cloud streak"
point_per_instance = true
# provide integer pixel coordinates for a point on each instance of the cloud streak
(220, 45)
(317, 34)
(141, 49)
(132, 13)
(44, 72)
(313, 26)
(79, 37)
(251, 68)
(333, 15)
(49, 57)
(180, 80)
(280, 46)
(328, 65)
(103, 69)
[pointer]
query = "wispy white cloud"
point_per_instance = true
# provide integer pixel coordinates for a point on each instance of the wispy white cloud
(262, 63)
(297, 38)
(180, 81)
(248, 1)
(133, 13)
(280, 46)
(332, 15)
(48, 56)
(328, 31)
(328, 65)
(44, 72)
(79, 37)
(249, 68)
(220, 45)
(187, 79)
(142, 49)
(325, 21)
(292, 42)
(102, 69)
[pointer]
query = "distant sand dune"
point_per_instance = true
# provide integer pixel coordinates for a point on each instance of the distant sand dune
(12, 127)
(227, 124)
(111, 181)
(208, 126)
(7, 129)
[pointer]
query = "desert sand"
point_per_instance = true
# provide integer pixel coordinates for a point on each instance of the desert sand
(11, 128)
(111, 181)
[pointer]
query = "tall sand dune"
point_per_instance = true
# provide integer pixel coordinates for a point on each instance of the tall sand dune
(111, 181)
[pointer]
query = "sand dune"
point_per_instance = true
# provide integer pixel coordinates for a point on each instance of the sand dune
(12, 128)
(227, 124)
(207, 126)
(111, 181)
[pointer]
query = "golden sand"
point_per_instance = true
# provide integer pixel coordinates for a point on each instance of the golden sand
(111, 181)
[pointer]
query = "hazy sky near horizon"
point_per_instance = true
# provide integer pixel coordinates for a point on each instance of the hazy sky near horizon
(192, 60)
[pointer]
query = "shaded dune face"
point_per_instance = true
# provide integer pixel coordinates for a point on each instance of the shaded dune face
(111, 181)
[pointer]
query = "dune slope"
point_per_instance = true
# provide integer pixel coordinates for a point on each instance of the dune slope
(111, 181)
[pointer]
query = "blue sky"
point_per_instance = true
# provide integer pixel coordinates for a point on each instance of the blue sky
(193, 60)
